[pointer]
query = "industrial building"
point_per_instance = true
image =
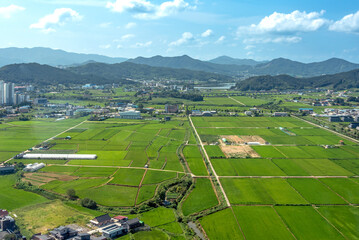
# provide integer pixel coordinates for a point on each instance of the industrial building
(7, 223)
(60, 156)
(130, 115)
(115, 230)
(7, 169)
(171, 108)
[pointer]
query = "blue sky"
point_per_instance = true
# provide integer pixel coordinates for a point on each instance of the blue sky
(300, 30)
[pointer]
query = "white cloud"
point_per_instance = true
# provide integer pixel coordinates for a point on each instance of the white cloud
(107, 46)
(207, 33)
(119, 46)
(283, 39)
(127, 36)
(130, 25)
(187, 36)
(349, 23)
(286, 23)
(7, 12)
(142, 45)
(220, 39)
(105, 24)
(144, 9)
(249, 47)
(58, 18)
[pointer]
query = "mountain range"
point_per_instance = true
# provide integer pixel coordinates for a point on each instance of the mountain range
(339, 81)
(224, 65)
(50, 57)
(275, 67)
(235, 61)
(99, 73)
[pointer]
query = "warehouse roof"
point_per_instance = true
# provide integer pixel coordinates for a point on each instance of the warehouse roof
(59, 156)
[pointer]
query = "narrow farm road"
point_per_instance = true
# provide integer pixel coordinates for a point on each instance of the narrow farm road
(210, 163)
(339, 134)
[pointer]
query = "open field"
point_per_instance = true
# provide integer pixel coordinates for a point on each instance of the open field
(306, 223)
(195, 161)
(41, 217)
(11, 198)
(315, 192)
(272, 227)
(201, 198)
(229, 230)
(246, 167)
(260, 191)
(345, 219)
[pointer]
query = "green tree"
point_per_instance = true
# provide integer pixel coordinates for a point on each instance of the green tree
(88, 203)
(71, 193)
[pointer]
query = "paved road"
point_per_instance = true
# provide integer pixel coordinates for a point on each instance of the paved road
(284, 177)
(339, 134)
(210, 163)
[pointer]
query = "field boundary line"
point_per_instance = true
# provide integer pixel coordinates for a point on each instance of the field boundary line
(329, 222)
(330, 130)
(210, 163)
(335, 192)
(285, 224)
(236, 101)
(280, 151)
(139, 186)
(239, 226)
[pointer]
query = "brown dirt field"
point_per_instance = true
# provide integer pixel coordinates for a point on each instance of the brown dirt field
(243, 139)
(253, 139)
(232, 138)
(48, 177)
(239, 151)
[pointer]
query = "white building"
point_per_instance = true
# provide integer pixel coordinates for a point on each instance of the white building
(60, 156)
(130, 115)
(34, 167)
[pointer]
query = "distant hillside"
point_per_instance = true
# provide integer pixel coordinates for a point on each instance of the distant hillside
(34, 73)
(234, 61)
(293, 68)
(186, 62)
(275, 67)
(339, 81)
(50, 57)
(143, 72)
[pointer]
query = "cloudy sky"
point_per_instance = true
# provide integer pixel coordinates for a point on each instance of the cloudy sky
(305, 30)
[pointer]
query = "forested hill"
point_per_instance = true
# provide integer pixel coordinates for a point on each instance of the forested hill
(50, 57)
(144, 72)
(34, 73)
(275, 67)
(186, 62)
(338, 81)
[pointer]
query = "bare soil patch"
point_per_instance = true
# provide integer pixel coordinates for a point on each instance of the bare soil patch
(39, 179)
(243, 139)
(239, 151)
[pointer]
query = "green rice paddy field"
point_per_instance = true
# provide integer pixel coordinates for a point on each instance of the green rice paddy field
(297, 189)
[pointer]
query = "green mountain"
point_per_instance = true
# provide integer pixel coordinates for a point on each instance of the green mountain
(275, 67)
(34, 73)
(186, 62)
(339, 81)
(50, 57)
(285, 66)
(128, 70)
(235, 61)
